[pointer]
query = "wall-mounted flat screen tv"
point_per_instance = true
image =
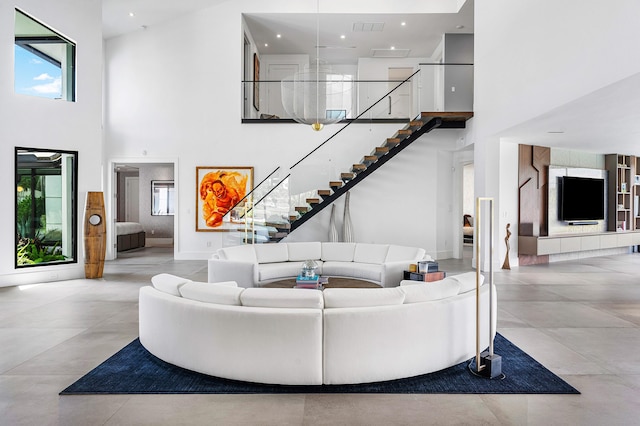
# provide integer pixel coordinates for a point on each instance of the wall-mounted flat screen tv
(580, 199)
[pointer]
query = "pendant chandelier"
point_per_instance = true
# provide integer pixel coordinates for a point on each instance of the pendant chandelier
(314, 96)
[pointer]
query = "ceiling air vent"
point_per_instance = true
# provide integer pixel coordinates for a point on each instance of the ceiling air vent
(390, 53)
(368, 26)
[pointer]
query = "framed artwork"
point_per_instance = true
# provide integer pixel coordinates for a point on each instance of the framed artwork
(219, 190)
(256, 82)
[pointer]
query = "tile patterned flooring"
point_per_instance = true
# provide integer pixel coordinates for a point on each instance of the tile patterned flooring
(581, 319)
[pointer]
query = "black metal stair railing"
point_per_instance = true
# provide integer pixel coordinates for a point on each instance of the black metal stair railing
(429, 125)
(252, 194)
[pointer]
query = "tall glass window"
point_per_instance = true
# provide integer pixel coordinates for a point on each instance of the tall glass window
(44, 61)
(46, 206)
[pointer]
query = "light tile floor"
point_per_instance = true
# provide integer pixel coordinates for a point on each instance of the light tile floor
(581, 319)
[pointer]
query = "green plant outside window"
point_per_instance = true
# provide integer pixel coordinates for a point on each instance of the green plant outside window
(46, 205)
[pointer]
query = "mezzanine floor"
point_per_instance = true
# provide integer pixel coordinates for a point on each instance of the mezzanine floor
(581, 319)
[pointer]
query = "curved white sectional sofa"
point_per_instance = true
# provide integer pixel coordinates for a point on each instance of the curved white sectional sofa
(311, 337)
(255, 265)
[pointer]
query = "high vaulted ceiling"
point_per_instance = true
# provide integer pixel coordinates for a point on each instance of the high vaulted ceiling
(605, 121)
(365, 35)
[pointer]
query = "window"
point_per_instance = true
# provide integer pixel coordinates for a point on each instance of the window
(162, 198)
(46, 206)
(44, 61)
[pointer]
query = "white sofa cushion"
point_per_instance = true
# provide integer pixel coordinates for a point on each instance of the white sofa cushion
(467, 281)
(361, 297)
(282, 298)
(340, 252)
(227, 283)
(280, 270)
(270, 253)
(398, 253)
(212, 293)
(370, 253)
(418, 291)
(363, 271)
(299, 252)
(243, 253)
(168, 283)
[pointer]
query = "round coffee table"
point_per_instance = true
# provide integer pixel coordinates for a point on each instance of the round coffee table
(334, 282)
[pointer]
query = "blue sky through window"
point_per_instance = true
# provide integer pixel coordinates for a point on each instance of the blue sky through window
(35, 76)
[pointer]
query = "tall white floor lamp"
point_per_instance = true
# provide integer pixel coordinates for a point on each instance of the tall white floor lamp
(488, 364)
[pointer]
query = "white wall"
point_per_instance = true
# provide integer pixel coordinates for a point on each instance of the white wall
(51, 124)
(168, 99)
(533, 56)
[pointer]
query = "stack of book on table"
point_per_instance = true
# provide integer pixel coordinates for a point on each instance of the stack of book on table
(314, 282)
(427, 271)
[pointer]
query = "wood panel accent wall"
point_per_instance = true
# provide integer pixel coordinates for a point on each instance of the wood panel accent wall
(533, 179)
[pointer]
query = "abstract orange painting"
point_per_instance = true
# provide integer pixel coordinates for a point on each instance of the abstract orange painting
(219, 190)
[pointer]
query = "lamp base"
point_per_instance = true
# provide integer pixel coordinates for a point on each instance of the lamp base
(492, 365)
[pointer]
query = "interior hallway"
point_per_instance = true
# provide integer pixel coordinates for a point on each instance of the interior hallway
(581, 319)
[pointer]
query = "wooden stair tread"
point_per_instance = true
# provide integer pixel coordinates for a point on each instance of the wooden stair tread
(347, 176)
(402, 134)
(279, 225)
(391, 142)
(324, 192)
(301, 209)
(313, 200)
(335, 184)
(359, 167)
(448, 115)
(381, 150)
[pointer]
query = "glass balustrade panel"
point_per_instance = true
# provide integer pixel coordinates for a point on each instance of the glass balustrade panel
(427, 87)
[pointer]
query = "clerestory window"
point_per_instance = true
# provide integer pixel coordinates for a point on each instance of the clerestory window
(44, 60)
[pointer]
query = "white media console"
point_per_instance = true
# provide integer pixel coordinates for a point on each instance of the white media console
(568, 243)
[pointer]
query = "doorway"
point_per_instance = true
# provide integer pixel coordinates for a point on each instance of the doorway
(132, 199)
(246, 77)
(130, 204)
(278, 72)
(468, 211)
(401, 99)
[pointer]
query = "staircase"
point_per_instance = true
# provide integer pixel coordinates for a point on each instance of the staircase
(274, 231)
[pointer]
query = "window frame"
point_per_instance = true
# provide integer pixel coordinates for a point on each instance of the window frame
(68, 71)
(73, 207)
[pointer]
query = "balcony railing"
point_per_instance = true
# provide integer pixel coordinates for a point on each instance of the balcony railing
(435, 87)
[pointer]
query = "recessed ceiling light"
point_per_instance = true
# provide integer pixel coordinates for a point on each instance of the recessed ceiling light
(393, 48)
(459, 27)
(403, 23)
(266, 45)
(343, 36)
(278, 35)
(131, 14)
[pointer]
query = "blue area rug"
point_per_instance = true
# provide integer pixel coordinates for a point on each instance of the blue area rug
(133, 370)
